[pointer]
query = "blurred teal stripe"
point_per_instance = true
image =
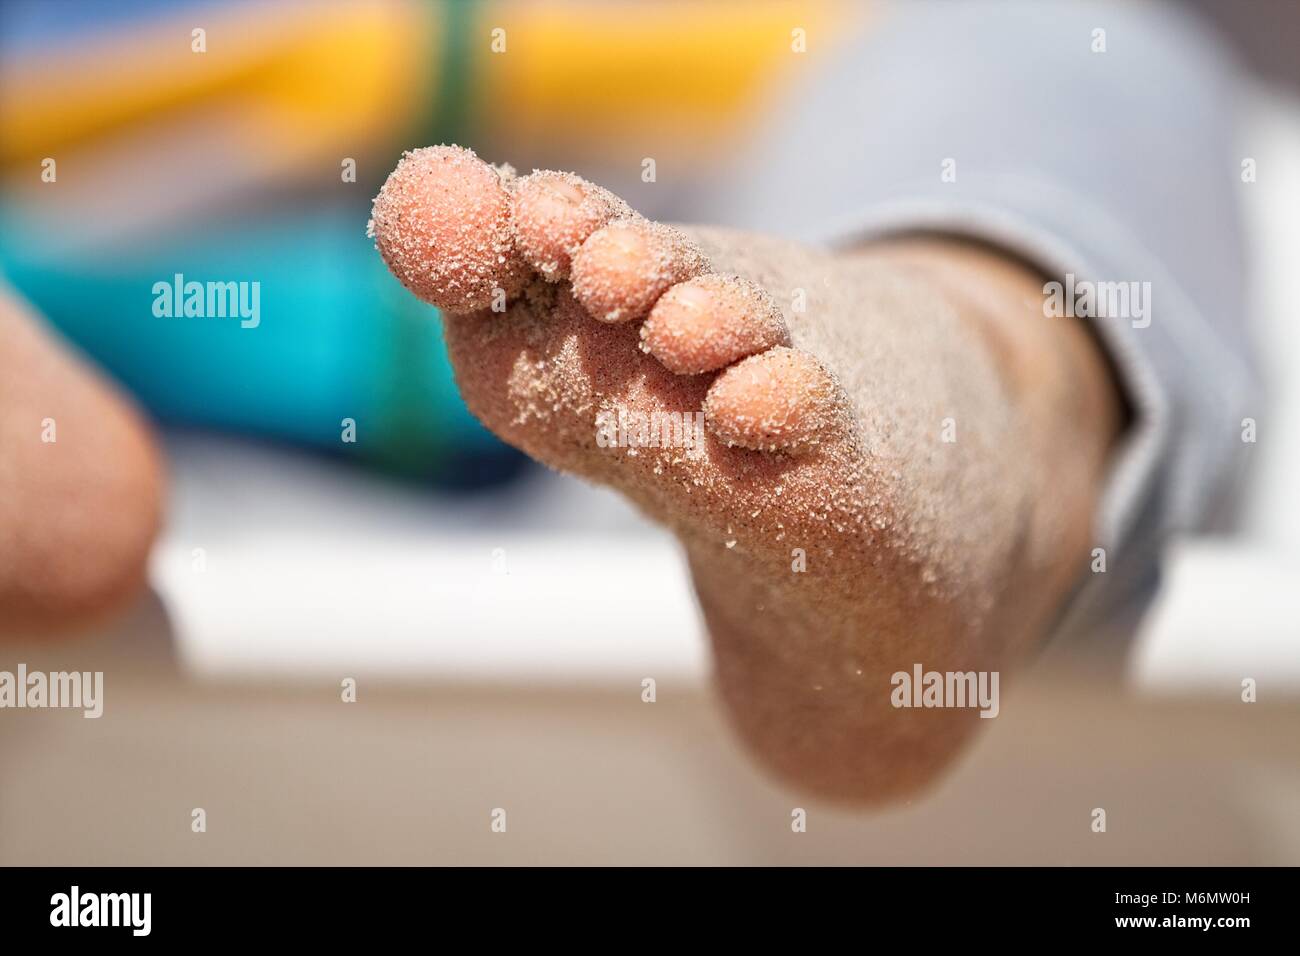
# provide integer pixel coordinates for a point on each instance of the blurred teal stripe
(339, 337)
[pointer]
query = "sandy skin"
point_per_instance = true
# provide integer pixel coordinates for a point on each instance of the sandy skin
(902, 455)
(81, 485)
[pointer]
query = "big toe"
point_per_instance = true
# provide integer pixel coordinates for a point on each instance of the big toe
(443, 223)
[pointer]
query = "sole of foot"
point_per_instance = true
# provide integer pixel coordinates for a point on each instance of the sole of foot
(863, 494)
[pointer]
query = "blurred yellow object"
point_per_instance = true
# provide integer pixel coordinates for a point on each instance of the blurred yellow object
(664, 70)
(307, 77)
(299, 82)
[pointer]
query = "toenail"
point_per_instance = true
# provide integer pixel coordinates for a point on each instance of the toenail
(563, 191)
(692, 296)
(626, 241)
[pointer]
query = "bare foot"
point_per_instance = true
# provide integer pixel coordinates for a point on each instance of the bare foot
(80, 485)
(901, 454)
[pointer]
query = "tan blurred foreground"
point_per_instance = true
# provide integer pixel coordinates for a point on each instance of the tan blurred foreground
(411, 774)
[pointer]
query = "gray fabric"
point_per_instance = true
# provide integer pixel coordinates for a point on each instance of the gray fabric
(1112, 166)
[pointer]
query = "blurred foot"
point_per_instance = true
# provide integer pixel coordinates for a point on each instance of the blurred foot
(80, 485)
(900, 454)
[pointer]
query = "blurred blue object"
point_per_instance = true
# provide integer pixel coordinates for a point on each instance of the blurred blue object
(338, 338)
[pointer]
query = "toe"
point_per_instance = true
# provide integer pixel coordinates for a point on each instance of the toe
(710, 321)
(779, 400)
(623, 268)
(443, 224)
(554, 214)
